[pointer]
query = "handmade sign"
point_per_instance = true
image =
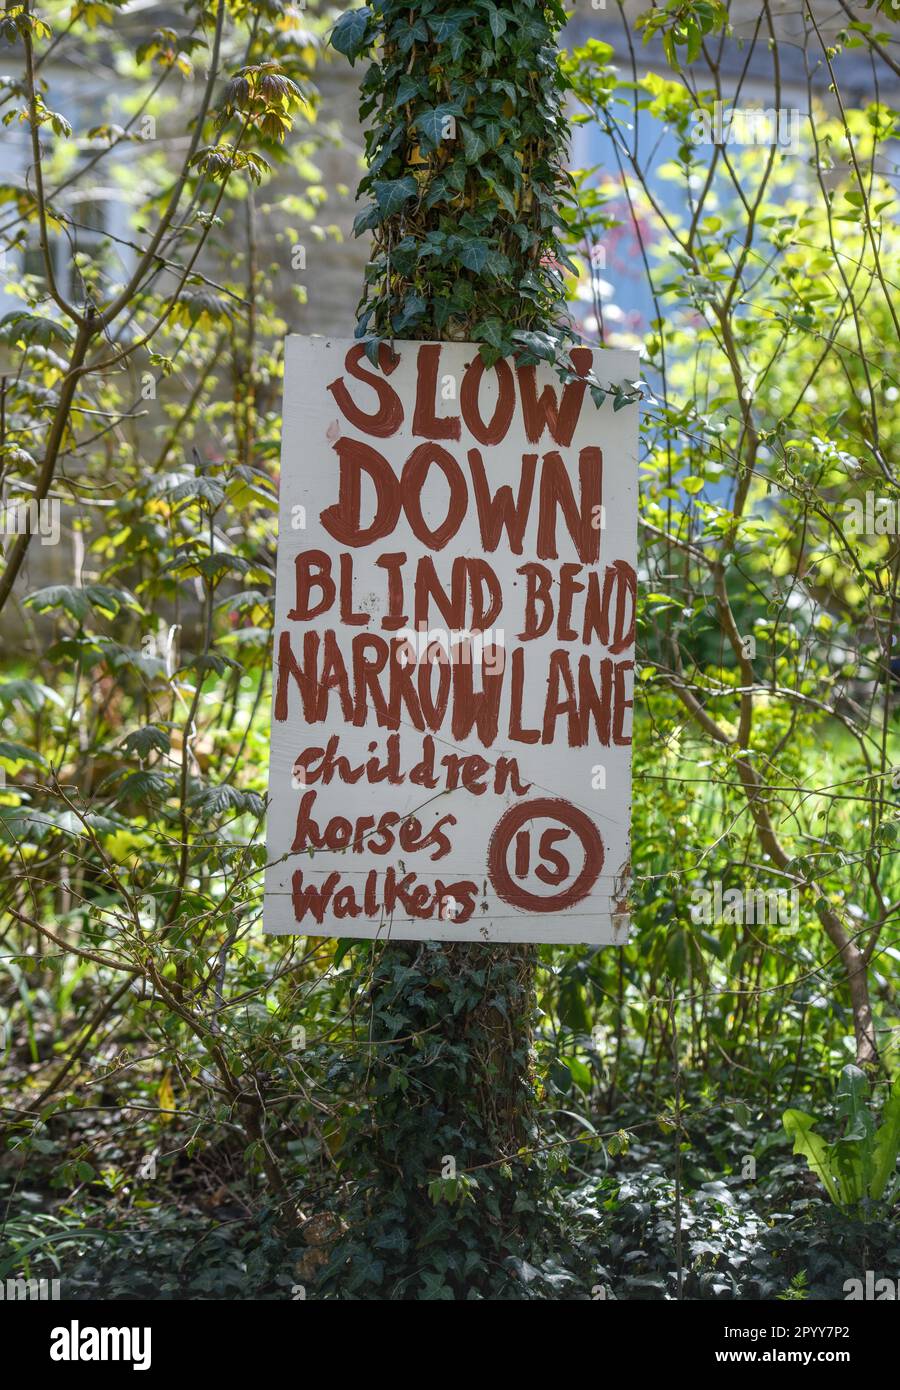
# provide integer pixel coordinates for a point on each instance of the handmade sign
(454, 644)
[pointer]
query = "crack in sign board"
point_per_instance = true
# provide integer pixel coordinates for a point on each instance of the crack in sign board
(454, 648)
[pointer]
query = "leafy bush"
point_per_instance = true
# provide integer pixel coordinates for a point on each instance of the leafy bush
(860, 1167)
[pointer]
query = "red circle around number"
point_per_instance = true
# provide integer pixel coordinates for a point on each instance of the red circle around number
(552, 808)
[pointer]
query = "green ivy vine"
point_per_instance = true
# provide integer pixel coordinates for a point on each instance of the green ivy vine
(466, 183)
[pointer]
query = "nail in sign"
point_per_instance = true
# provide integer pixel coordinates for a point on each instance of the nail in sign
(454, 648)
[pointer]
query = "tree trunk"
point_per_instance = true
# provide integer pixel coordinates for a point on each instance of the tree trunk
(466, 152)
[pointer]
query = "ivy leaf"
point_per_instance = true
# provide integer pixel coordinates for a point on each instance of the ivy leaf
(540, 344)
(372, 347)
(497, 22)
(430, 124)
(438, 191)
(412, 33)
(474, 144)
(503, 195)
(491, 132)
(393, 194)
(409, 87)
(474, 255)
(490, 330)
(414, 307)
(443, 27)
(350, 35)
(366, 220)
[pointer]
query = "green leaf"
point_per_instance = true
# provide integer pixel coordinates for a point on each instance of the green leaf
(497, 21)
(443, 27)
(18, 753)
(413, 310)
(151, 738)
(27, 692)
(350, 34)
(474, 143)
(206, 488)
(144, 786)
(491, 330)
(102, 598)
(886, 1144)
(215, 800)
(474, 255)
(503, 196)
(540, 344)
(430, 124)
(66, 596)
(799, 1127)
(409, 87)
(852, 1156)
(393, 194)
(31, 328)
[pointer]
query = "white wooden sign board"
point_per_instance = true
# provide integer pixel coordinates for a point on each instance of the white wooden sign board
(454, 648)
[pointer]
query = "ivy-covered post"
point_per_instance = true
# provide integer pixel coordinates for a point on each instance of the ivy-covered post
(466, 178)
(465, 150)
